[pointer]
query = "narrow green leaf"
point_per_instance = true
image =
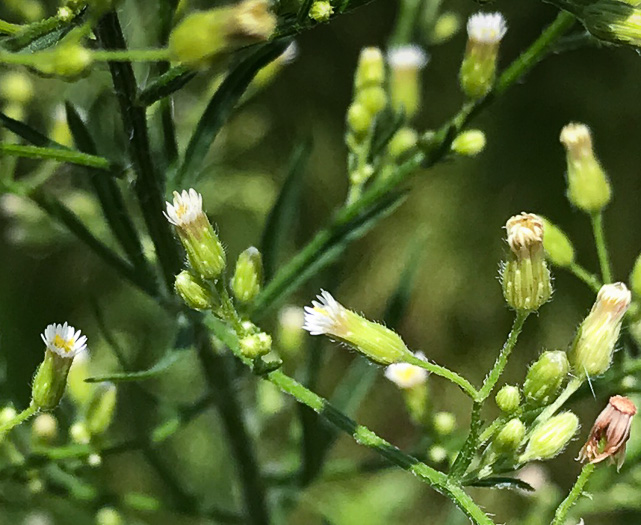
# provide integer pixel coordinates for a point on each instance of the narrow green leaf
(166, 84)
(61, 155)
(502, 482)
(220, 108)
(283, 214)
(304, 11)
(28, 133)
(169, 359)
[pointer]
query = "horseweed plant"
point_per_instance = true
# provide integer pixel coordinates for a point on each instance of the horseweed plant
(239, 48)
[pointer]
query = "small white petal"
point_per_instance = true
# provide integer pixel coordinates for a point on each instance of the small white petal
(408, 56)
(405, 375)
(64, 340)
(488, 28)
(186, 208)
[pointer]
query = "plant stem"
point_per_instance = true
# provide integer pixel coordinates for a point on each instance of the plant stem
(446, 373)
(501, 360)
(601, 246)
(61, 155)
(575, 493)
(466, 454)
(131, 55)
(8, 28)
(550, 410)
(19, 418)
(588, 278)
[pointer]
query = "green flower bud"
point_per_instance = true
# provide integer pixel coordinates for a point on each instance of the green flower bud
(371, 68)
(469, 143)
(508, 399)
(615, 21)
(402, 142)
(525, 276)
(406, 63)
(509, 438)
(290, 328)
(204, 251)
(79, 390)
(437, 454)
(248, 276)
(446, 26)
(591, 353)
(549, 438)
(478, 68)
(588, 185)
(372, 98)
(545, 377)
(63, 344)
(361, 175)
(79, 433)
(444, 423)
(69, 61)
(321, 11)
(558, 246)
(205, 35)
(193, 291)
(100, 412)
(44, 429)
(635, 277)
(16, 87)
(108, 516)
(359, 119)
(376, 342)
(256, 345)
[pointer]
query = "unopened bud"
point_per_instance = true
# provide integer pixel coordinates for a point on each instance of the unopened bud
(69, 61)
(376, 342)
(321, 11)
(359, 119)
(204, 251)
(558, 246)
(79, 433)
(370, 70)
(193, 291)
(16, 87)
(588, 185)
(406, 63)
(372, 98)
(402, 142)
(100, 412)
(469, 143)
(591, 353)
(248, 276)
(525, 276)
(509, 438)
(549, 438)
(290, 328)
(615, 21)
(545, 377)
(79, 390)
(478, 68)
(437, 454)
(444, 423)
(446, 26)
(256, 345)
(108, 516)
(508, 399)
(44, 429)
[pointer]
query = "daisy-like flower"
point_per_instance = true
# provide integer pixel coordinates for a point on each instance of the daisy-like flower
(64, 340)
(204, 250)
(610, 432)
(328, 317)
(405, 375)
(408, 56)
(486, 28)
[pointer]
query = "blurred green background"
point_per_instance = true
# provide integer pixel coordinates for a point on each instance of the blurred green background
(457, 314)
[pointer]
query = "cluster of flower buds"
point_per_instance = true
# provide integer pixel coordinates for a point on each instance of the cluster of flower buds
(406, 63)
(525, 276)
(321, 11)
(205, 36)
(478, 69)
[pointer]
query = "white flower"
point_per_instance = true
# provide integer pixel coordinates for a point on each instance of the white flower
(405, 375)
(486, 28)
(64, 340)
(408, 56)
(326, 316)
(186, 209)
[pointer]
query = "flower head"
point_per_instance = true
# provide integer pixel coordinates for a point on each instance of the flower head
(577, 139)
(610, 432)
(64, 340)
(486, 28)
(405, 375)
(408, 56)
(326, 316)
(524, 231)
(186, 209)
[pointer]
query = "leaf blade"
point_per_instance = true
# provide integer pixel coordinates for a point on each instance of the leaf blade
(165, 362)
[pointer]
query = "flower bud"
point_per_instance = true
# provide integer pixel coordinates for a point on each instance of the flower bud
(509, 438)
(406, 63)
(69, 61)
(478, 68)
(615, 21)
(63, 343)
(248, 275)
(545, 377)
(444, 423)
(100, 412)
(16, 87)
(108, 516)
(359, 119)
(204, 35)
(376, 342)
(405, 375)
(446, 26)
(558, 246)
(525, 276)
(44, 429)
(371, 68)
(204, 251)
(256, 345)
(591, 353)
(508, 399)
(402, 142)
(635, 277)
(373, 99)
(437, 454)
(79, 433)
(290, 328)
(193, 291)
(79, 390)
(588, 185)
(469, 143)
(321, 11)
(549, 438)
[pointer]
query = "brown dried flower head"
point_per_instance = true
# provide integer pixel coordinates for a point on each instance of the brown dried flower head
(610, 432)
(525, 233)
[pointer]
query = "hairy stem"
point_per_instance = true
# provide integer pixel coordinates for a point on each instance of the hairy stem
(588, 278)
(448, 374)
(31, 410)
(550, 410)
(575, 493)
(601, 246)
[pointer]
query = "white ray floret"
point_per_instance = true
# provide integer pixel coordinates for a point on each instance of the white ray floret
(486, 28)
(186, 208)
(64, 340)
(408, 56)
(405, 375)
(326, 316)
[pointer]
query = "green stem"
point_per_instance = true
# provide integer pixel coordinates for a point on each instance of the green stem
(467, 452)
(131, 55)
(601, 246)
(407, 18)
(550, 410)
(19, 418)
(588, 278)
(446, 373)
(61, 155)
(501, 360)
(575, 493)
(8, 28)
